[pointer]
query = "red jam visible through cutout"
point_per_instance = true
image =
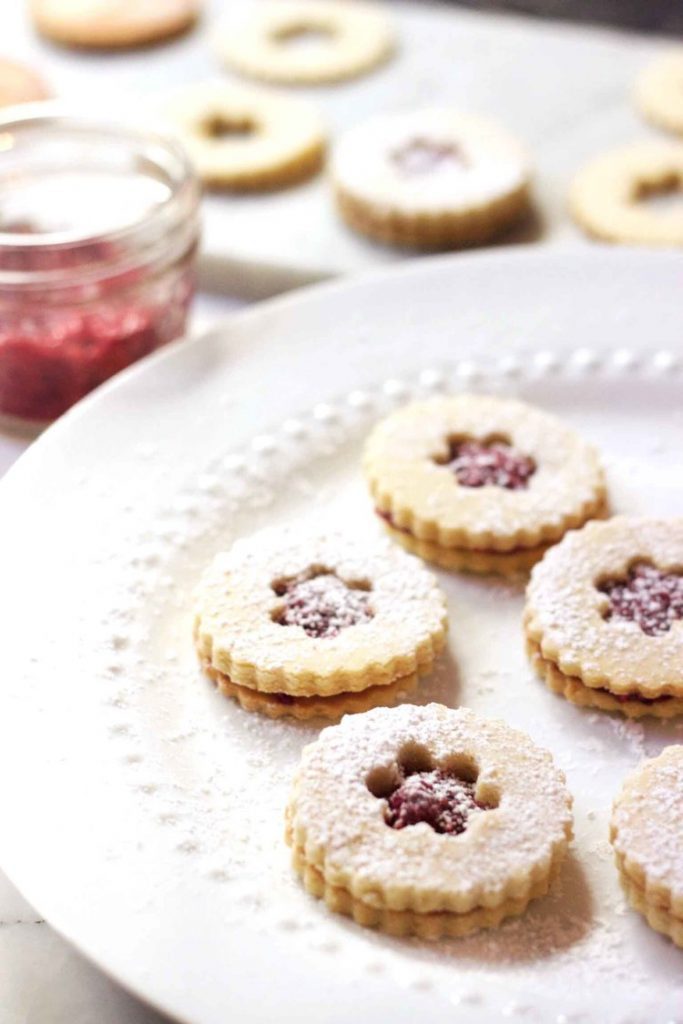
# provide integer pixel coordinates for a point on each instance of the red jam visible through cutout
(495, 464)
(322, 605)
(443, 801)
(422, 156)
(648, 597)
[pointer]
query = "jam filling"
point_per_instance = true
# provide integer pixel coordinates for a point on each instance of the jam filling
(422, 156)
(648, 597)
(322, 605)
(497, 464)
(443, 801)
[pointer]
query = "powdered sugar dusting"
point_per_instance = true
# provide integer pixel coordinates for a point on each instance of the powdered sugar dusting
(323, 605)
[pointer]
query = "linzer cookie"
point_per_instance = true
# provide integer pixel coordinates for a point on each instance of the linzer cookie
(430, 178)
(608, 196)
(481, 483)
(247, 140)
(427, 820)
(305, 42)
(290, 623)
(659, 92)
(646, 831)
(604, 616)
(112, 24)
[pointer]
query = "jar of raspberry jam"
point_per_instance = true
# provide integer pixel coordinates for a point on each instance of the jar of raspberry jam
(98, 234)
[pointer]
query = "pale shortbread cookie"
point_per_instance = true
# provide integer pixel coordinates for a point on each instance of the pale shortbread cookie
(19, 84)
(286, 611)
(605, 607)
(431, 178)
(574, 690)
(427, 820)
(306, 41)
(659, 92)
(108, 24)
(283, 705)
(409, 922)
(247, 139)
(607, 195)
(481, 473)
(646, 830)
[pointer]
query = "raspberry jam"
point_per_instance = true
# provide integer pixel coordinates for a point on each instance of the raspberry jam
(98, 231)
(498, 464)
(648, 597)
(443, 801)
(322, 605)
(422, 156)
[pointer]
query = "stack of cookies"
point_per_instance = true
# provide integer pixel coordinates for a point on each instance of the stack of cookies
(427, 821)
(290, 623)
(481, 483)
(646, 832)
(604, 617)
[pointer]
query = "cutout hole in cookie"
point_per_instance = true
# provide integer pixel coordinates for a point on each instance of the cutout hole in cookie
(417, 791)
(304, 35)
(321, 603)
(492, 461)
(647, 596)
(422, 155)
(223, 126)
(664, 196)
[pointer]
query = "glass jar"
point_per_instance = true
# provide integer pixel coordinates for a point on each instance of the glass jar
(98, 233)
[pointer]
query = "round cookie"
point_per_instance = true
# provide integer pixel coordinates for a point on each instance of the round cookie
(607, 196)
(659, 92)
(112, 24)
(19, 84)
(427, 820)
(645, 831)
(432, 178)
(301, 616)
(307, 42)
(481, 482)
(604, 616)
(246, 139)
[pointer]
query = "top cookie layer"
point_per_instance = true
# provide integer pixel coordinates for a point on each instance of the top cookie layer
(262, 609)
(405, 463)
(338, 812)
(659, 91)
(429, 161)
(569, 612)
(647, 826)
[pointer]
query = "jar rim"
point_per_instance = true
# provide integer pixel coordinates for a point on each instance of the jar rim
(158, 152)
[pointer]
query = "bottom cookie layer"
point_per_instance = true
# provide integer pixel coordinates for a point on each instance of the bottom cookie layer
(407, 922)
(576, 691)
(502, 563)
(656, 916)
(447, 229)
(280, 705)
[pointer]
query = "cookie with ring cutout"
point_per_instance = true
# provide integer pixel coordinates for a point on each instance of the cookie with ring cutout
(432, 178)
(604, 616)
(645, 831)
(427, 820)
(481, 483)
(247, 140)
(290, 623)
(608, 197)
(305, 42)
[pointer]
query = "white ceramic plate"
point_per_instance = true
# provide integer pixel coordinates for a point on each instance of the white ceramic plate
(564, 90)
(142, 813)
